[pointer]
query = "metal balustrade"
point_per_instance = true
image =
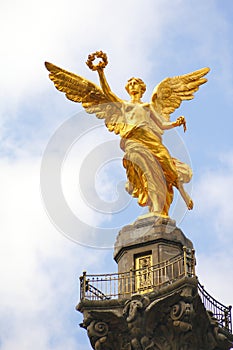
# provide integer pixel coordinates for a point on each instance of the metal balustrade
(123, 285)
(118, 285)
(217, 310)
(145, 280)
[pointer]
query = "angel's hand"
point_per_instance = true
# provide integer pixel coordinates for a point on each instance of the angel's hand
(181, 121)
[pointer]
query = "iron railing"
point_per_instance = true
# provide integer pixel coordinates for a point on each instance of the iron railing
(219, 311)
(123, 285)
(118, 285)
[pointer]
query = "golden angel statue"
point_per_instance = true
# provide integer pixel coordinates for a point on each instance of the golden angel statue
(151, 171)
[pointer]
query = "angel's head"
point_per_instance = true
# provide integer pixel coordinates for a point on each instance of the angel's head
(135, 86)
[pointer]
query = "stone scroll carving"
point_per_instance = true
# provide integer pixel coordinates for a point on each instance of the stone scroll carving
(182, 314)
(98, 334)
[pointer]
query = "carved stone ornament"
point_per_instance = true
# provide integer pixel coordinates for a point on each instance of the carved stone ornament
(182, 314)
(134, 314)
(172, 320)
(97, 332)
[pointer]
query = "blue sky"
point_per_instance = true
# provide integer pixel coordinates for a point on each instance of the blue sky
(151, 39)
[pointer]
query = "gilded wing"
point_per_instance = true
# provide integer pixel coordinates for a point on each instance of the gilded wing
(168, 95)
(92, 97)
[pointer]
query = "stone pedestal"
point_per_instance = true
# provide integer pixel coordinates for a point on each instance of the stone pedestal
(151, 236)
(154, 302)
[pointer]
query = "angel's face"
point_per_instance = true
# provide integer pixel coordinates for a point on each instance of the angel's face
(134, 87)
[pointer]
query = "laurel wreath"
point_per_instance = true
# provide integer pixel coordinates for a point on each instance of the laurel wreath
(101, 64)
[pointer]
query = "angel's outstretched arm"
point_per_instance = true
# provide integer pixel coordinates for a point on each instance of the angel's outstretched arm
(106, 88)
(163, 124)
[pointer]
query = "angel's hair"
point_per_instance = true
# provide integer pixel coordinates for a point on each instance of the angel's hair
(139, 81)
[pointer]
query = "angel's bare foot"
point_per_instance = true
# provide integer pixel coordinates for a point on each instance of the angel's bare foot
(185, 196)
(190, 204)
(188, 201)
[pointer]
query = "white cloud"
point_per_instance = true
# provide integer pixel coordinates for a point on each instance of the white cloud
(215, 273)
(214, 220)
(39, 267)
(65, 33)
(214, 193)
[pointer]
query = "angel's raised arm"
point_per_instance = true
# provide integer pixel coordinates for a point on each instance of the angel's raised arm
(99, 67)
(106, 88)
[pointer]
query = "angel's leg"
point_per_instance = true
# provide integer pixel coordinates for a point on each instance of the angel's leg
(185, 195)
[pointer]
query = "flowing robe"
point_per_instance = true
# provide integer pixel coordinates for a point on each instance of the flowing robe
(150, 169)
